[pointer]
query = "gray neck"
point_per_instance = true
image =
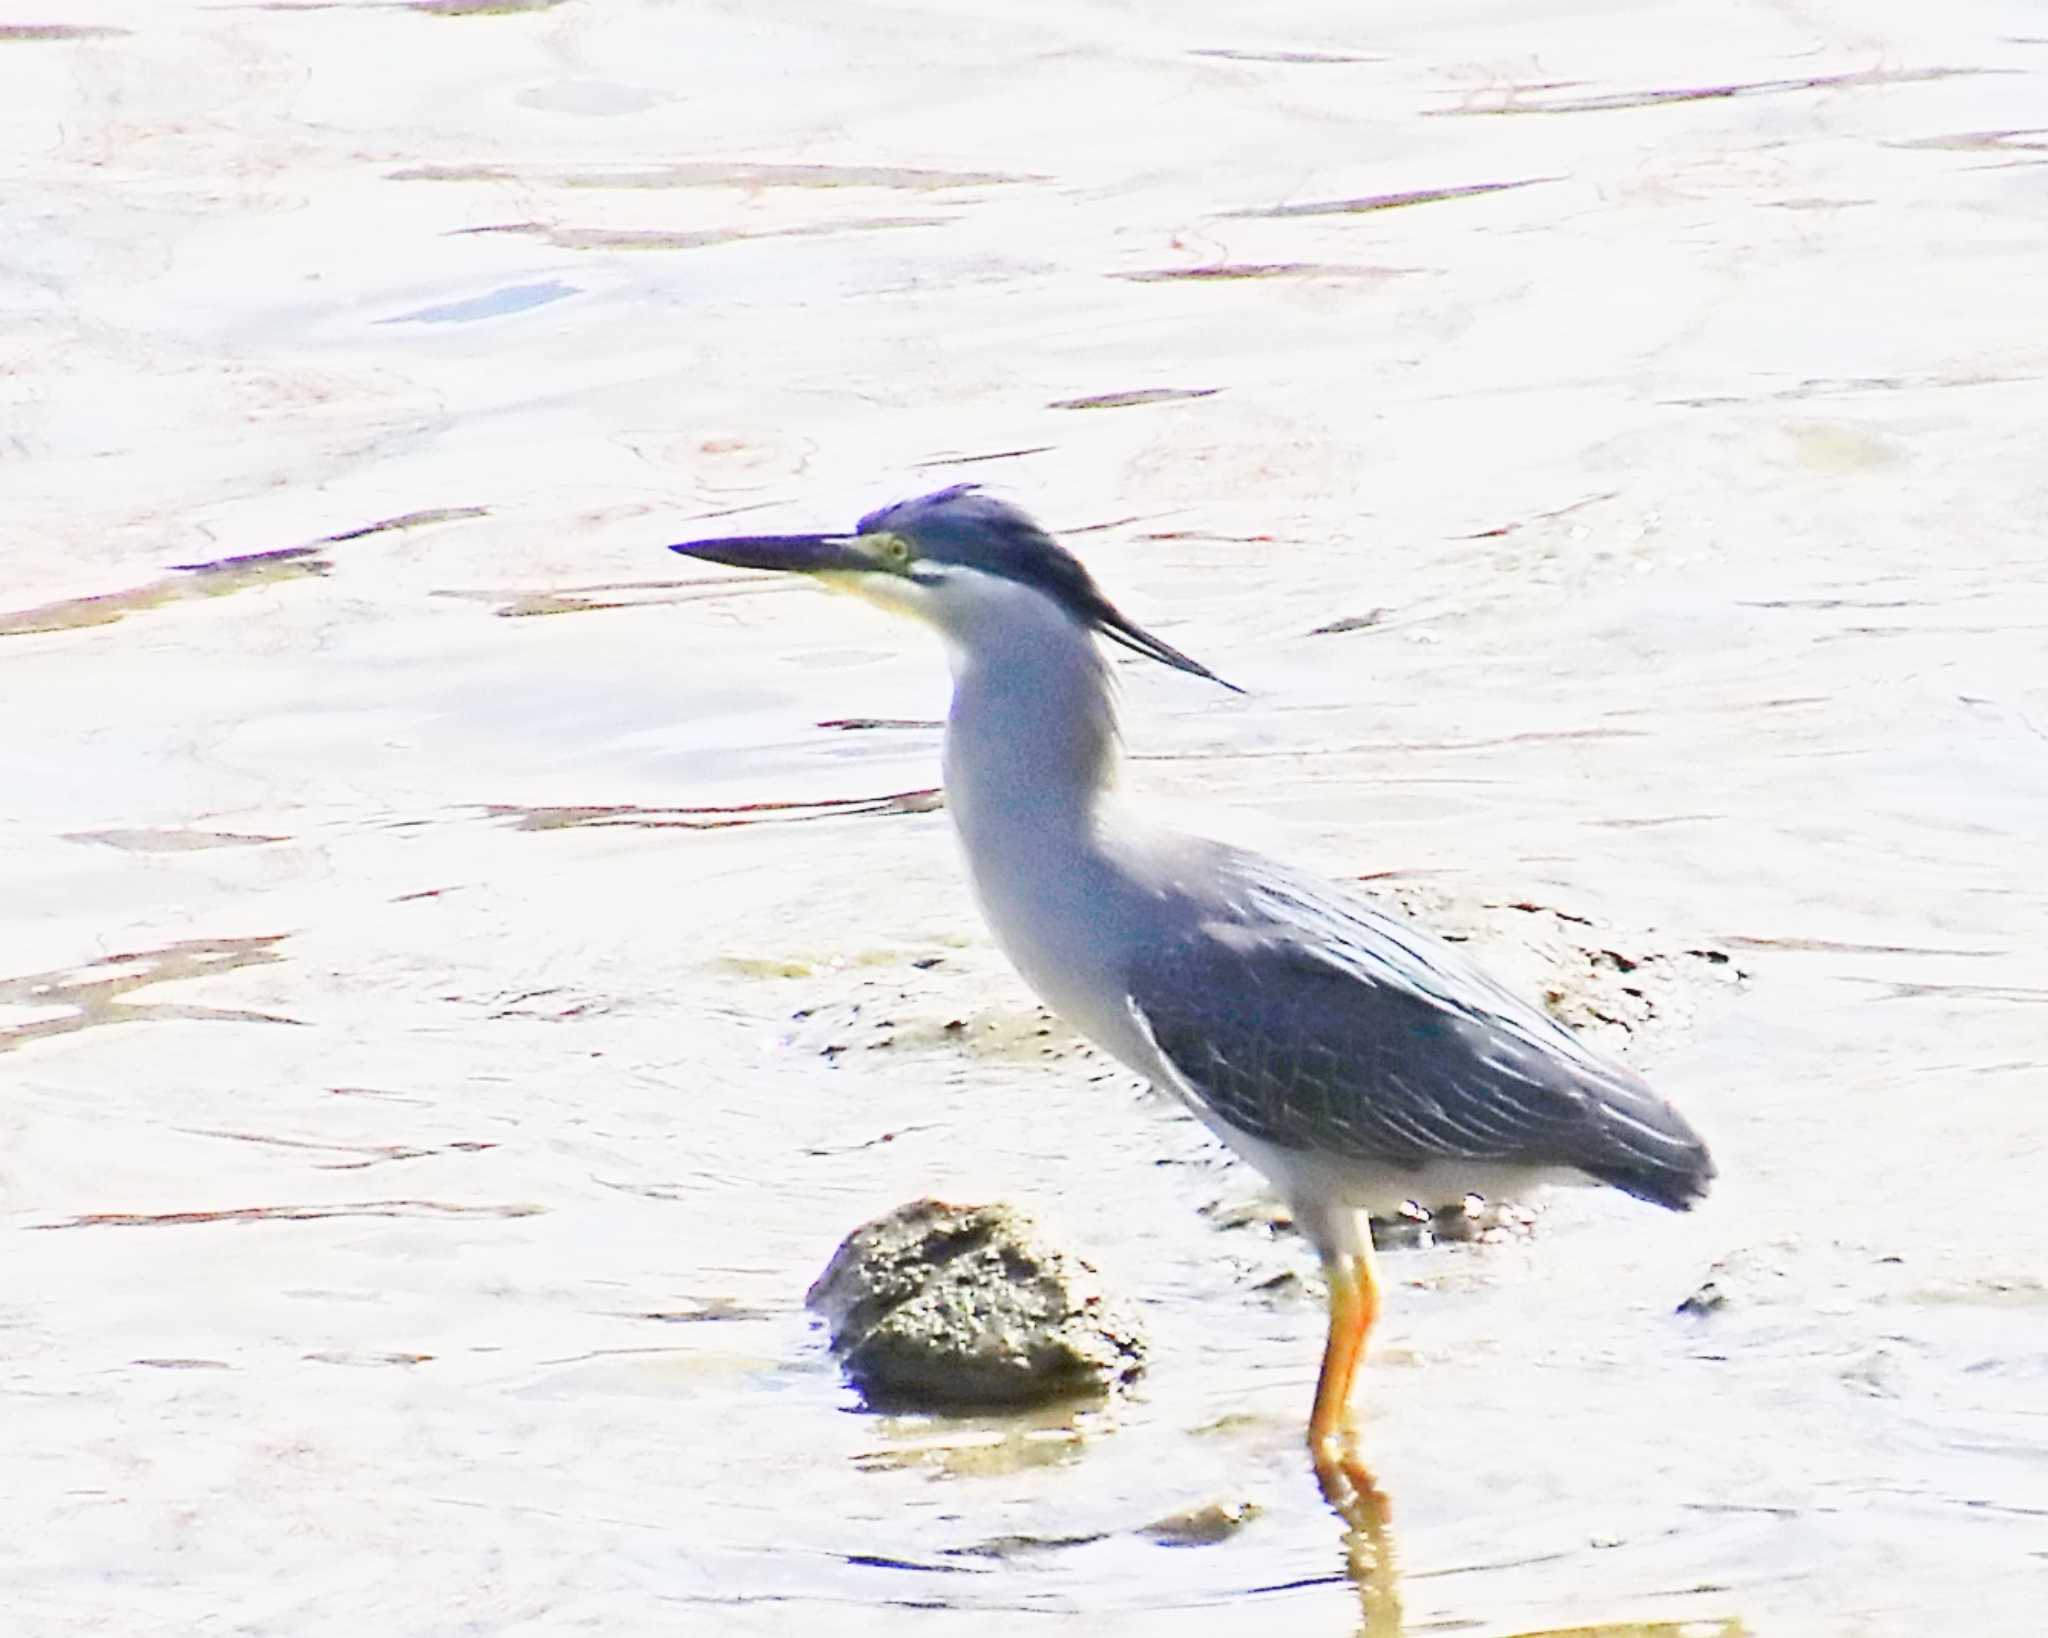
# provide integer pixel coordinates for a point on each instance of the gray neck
(1031, 742)
(1031, 754)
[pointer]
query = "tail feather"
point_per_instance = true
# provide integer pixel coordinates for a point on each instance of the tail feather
(1677, 1185)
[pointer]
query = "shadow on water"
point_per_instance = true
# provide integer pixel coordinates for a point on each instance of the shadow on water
(83, 998)
(104, 608)
(216, 577)
(563, 237)
(305, 1213)
(1368, 203)
(426, 8)
(717, 174)
(714, 817)
(480, 8)
(1226, 272)
(1514, 103)
(59, 31)
(517, 604)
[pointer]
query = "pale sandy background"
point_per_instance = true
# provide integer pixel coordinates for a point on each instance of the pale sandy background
(411, 1154)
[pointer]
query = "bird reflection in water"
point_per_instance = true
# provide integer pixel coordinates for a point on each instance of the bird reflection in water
(1372, 1564)
(1372, 1561)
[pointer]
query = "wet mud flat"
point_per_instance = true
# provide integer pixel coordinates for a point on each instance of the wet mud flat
(462, 973)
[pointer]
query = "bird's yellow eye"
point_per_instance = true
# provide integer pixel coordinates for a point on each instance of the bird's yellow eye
(894, 551)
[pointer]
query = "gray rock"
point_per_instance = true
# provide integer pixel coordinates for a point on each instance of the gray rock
(937, 1305)
(1205, 1525)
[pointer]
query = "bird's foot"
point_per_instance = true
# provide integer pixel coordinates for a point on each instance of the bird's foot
(1347, 1483)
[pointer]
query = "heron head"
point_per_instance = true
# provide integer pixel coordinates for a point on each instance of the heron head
(947, 558)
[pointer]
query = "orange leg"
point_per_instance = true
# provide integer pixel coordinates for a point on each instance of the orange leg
(1347, 1483)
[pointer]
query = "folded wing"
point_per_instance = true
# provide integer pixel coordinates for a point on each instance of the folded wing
(1357, 1036)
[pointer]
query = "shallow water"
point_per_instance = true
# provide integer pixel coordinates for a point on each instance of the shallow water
(456, 989)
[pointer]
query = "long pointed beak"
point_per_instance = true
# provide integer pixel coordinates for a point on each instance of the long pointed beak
(799, 554)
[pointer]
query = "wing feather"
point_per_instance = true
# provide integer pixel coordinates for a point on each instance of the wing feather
(1310, 1022)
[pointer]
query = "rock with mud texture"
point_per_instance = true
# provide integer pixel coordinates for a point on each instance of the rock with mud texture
(937, 1305)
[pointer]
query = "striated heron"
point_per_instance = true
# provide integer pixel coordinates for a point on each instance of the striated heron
(1356, 1062)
